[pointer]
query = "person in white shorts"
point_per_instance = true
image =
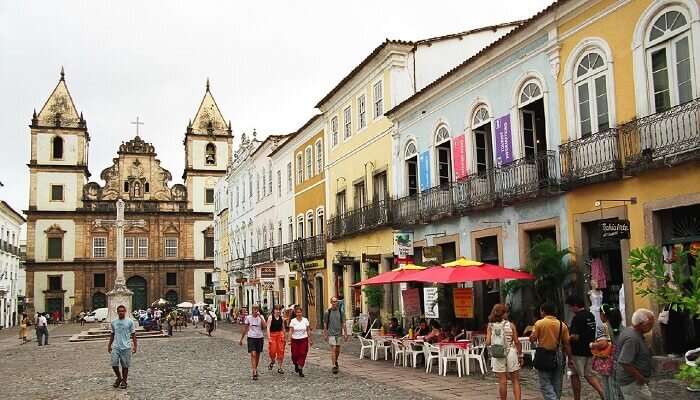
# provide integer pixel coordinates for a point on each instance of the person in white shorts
(501, 332)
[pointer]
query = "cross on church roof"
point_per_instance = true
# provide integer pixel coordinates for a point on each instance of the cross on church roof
(137, 123)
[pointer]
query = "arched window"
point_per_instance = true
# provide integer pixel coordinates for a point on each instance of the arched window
(211, 154)
(481, 116)
(411, 162)
(300, 169)
(300, 227)
(483, 145)
(310, 223)
(443, 156)
(591, 91)
(669, 59)
(264, 238)
(319, 157)
(532, 118)
(308, 155)
(321, 221)
(57, 148)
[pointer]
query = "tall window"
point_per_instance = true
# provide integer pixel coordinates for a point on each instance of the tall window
(483, 145)
(361, 112)
(250, 184)
(379, 184)
(669, 60)
(269, 178)
(321, 221)
(340, 207)
(210, 154)
(310, 223)
(208, 196)
(289, 177)
(279, 183)
(443, 156)
(300, 169)
(378, 100)
(208, 246)
(300, 227)
(319, 157)
(143, 247)
(334, 131)
(591, 91)
(98, 280)
(56, 283)
(359, 195)
(99, 247)
(279, 233)
(55, 248)
(309, 158)
(290, 227)
(264, 238)
(347, 122)
(57, 148)
(171, 247)
(56, 192)
(264, 183)
(171, 279)
(129, 245)
(257, 186)
(532, 117)
(411, 160)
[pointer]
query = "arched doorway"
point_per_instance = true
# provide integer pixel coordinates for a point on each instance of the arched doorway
(171, 297)
(320, 302)
(138, 285)
(99, 300)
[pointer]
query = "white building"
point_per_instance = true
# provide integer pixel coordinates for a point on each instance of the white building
(10, 286)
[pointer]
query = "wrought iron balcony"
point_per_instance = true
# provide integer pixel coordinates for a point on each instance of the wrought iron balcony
(436, 203)
(262, 256)
(528, 177)
(405, 211)
(591, 159)
(663, 139)
(311, 248)
(367, 218)
(476, 192)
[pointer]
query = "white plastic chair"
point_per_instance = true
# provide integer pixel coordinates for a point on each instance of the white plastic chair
(451, 353)
(413, 350)
(478, 340)
(381, 344)
(367, 344)
(475, 353)
(527, 347)
(399, 352)
(431, 353)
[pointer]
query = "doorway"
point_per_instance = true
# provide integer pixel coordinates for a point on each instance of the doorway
(139, 286)
(99, 300)
(54, 306)
(320, 302)
(487, 252)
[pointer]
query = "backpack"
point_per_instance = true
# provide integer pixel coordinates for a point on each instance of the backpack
(498, 347)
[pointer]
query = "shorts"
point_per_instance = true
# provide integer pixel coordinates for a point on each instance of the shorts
(255, 345)
(195, 318)
(334, 340)
(583, 366)
(508, 364)
(121, 357)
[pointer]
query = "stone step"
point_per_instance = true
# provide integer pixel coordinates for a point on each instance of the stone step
(95, 336)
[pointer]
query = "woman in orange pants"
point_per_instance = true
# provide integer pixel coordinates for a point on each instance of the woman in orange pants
(276, 328)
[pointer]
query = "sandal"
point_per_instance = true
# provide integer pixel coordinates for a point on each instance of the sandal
(122, 385)
(280, 371)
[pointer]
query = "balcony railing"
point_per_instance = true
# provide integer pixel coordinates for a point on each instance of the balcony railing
(662, 139)
(528, 177)
(262, 256)
(367, 218)
(311, 248)
(590, 159)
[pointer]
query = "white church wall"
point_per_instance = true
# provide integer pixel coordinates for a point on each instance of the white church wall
(41, 241)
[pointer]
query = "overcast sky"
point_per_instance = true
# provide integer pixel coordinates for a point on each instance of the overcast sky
(269, 62)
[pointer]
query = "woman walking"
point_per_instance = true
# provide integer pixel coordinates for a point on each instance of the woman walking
(506, 352)
(275, 337)
(254, 325)
(603, 350)
(23, 328)
(300, 331)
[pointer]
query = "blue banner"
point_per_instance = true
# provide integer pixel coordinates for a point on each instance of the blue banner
(424, 167)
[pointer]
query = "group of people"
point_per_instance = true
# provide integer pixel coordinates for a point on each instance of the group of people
(280, 329)
(619, 356)
(41, 327)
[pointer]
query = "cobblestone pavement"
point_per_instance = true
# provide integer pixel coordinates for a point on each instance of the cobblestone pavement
(192, 365)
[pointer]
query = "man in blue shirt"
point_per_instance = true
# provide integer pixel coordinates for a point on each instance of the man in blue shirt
(122, 343)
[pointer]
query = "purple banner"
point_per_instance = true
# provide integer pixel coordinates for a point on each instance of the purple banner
(504, 140)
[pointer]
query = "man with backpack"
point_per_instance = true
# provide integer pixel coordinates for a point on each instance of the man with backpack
(333, 328)
(551, 335)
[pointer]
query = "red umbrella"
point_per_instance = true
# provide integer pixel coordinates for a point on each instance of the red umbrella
(401, 274)
(450, 275)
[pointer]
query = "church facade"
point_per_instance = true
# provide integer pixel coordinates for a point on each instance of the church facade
(71, 255)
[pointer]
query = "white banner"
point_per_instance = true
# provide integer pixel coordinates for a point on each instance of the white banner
(430, 302)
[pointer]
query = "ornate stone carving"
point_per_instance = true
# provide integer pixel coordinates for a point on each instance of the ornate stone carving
(136, 146)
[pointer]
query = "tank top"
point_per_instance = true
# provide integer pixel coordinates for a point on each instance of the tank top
(276, 324)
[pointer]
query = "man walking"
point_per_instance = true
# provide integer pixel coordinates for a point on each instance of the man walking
(195, 316)
(333, 327)
(634, 363)
(42, 329)
(582, 334)
(122, 343)
(550, 334)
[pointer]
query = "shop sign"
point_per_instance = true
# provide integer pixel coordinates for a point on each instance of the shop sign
(316, 264)
(241, 280)
(346, 260)
(403, 246)
(268, 285)
(372, 258)
(220, 292)
(411, 302)
(432, 253)
(615, 229)
(430, 302)
(463, 299)
(293, 283)
(268, 272)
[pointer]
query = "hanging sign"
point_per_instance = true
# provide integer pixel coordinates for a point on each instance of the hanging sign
(504, 140)
(403, 246)
(432, 253)
(424, 167)
(268, 272)
(372, 258)
(459, 156)
(463, 299)
(615, 229)
(411, 302)
(430, 302)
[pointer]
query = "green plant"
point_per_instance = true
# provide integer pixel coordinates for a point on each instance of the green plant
(374, 294)
(689, 375)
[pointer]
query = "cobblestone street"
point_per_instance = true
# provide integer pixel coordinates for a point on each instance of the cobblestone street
(192, 365)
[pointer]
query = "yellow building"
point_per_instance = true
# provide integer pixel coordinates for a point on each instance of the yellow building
(629, 127)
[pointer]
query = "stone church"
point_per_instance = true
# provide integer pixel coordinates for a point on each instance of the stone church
(71, 256)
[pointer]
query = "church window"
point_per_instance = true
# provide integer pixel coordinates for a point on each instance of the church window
(56, 192)
(129, 247)
(57, 148)
(146, 187)
(55, 283)
(171, 247)
(126, 186)
(98, 280)
(99, 247)
(55, 248)
(209, 196)
(143, 247)
(211, 154)
(171, 278)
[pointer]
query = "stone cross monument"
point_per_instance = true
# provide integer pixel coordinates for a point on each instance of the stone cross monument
(120, 294)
